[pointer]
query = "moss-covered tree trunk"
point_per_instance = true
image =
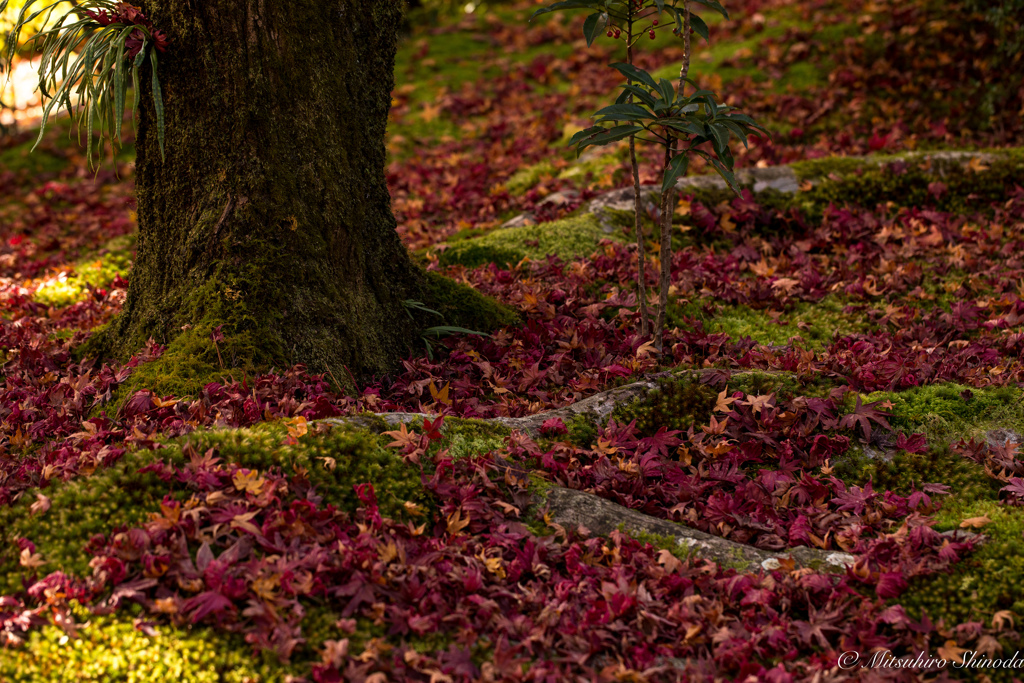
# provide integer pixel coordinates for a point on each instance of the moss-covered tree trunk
(270, 214)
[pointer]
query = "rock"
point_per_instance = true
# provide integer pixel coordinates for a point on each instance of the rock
(1001, 437)
(519, 221)
(570, 508)
(622, 199)
(559, 198)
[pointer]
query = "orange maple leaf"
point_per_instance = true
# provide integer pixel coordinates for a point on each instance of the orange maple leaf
(403, 437)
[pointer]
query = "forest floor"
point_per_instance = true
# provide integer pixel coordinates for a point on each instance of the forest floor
(842, 381)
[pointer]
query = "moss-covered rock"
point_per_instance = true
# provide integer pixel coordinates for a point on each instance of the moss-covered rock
(567, 239)
(907, 180)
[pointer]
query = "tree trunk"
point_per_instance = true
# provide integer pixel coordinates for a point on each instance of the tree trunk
(270, 214)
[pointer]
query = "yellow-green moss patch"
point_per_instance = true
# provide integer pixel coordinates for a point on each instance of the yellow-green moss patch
(569, 238)
(110, 648)
(97, 271)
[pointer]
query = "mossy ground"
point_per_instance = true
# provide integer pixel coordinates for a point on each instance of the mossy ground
(567, 239)
(111, 648)
(988, 580)
(332, 460)
(97, 271)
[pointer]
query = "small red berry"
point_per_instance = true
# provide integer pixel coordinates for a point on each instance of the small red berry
(651, 33)
(611, 33)
(691, 31)
(617, 33)
(654, 23)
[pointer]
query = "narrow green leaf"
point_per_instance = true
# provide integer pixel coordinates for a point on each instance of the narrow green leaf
(700, 27)
(611, 135)
(676, 168)
(668, 92)
(586, 132)
(634, 74)
(624, 112)
(565, 4)
(726, 174)
(712, 4)
(720, 135)
(158, 102)
(643, 95)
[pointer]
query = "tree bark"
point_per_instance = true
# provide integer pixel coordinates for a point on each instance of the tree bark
(270, 214)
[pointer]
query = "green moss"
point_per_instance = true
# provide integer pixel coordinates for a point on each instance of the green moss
(669, 543)
(97, 271)
(583, 430)
(981, 584)
(525, 178)
(567, 239)
(190, 362)
(817, 324)
(332, 460)
(906, 472)
(785, 385)
(868, 183)
(676, 403)
(110, 648)
(463, 306)
(20, 158)
(944, 413)
(947, 412)
(464, 438)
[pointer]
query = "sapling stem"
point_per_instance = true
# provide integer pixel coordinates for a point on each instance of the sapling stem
(641, 259)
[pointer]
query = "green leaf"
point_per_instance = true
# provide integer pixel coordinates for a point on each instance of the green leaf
(726, 175)
(585, 133)
(158, 102)
(593, 25)
(736, 130)
(634, 74)
(565, 4)
(712, 4)
(683, 126)
(720, 135)
(700, 27)
(640, 93)
(609, 136)
(624, 112)
(442, 330)
(668, 92)
(119, 88)
(676, 168)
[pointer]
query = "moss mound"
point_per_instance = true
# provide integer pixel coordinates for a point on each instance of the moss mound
(567, 239)
(462, 306)
(676, 403)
